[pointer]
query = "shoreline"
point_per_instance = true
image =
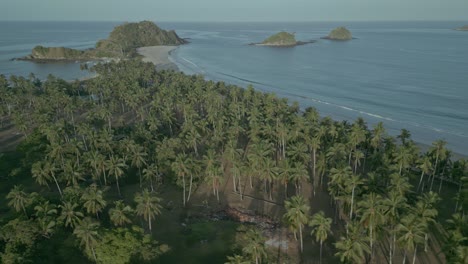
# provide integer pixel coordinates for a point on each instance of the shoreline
(159, 56)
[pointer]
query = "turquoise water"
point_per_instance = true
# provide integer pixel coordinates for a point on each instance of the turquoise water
(411, 75)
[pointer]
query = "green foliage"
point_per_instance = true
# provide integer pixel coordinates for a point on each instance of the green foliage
(123, 245)
(340, 33)
(280, 39)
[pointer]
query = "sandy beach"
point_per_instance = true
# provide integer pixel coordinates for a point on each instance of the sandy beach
(159, 56)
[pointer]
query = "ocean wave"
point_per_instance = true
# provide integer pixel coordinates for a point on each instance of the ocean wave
(193, 64)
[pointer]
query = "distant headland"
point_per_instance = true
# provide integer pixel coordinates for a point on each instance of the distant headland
(123, 42)
(282, 39)
(464, 28)
(339, 33)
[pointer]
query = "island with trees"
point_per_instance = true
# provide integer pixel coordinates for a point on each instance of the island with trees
(281, 39)
(122, 42)
(144, 166)
(340, 34)
(464, 28)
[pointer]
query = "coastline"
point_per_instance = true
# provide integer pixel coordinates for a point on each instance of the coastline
(159, 56)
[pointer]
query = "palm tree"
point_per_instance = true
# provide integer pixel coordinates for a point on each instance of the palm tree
(426, 167)
(87, 232)
(255, 245)
(438, 148)
(148, 205)
(371, 211)
(353, 247)
(393, 205)
(353, 182)
(150, 173)
(119, 214)
(297, 213)
(180, 169)
(321, 227)
(93, 200)
(236, 259)
(69, 215)
(138, 155)
(19, 200)
(43, 171)
(116, 166)
(411, 233)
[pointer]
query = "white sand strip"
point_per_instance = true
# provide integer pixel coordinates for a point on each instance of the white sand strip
(156, 54)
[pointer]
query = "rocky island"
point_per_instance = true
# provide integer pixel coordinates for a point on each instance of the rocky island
(339, 33)
(281, 39)
(122, 42)
(464, 28)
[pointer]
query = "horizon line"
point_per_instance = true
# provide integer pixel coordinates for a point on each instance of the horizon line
(237, 21)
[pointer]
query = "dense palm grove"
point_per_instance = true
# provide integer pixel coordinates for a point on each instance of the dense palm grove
(95, 152)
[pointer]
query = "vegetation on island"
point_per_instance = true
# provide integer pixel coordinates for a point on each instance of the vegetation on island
(280, 39)
(121, 43)
(138, 166)
(464, 28)
(339, 33)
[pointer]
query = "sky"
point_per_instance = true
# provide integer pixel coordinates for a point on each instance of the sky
(233, 10)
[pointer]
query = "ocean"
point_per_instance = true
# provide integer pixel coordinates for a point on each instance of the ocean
(411, 75)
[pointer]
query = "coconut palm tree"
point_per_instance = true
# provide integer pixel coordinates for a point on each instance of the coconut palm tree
(119, 215)
(372, 215)
(352, 183)
(411, 233)
(116, 166)
(255, 245)
(43, 172)
(69, 215)
(179, 166)
(236, 259)
(321, 227)
(393, 205)
(93, 200)
(87, 233)
(426, 167)
(148, 205)
(297, 213)
(353, 247)
(19, 199)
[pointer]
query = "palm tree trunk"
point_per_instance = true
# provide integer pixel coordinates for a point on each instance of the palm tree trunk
(414, 256)
(234, 182)
(404, 257)
(94, 254)
(420, 180)
(300, 237)
(149, 222)
(58, 187)
(440, 185)
(352, 203)
(321, 243)
(118, 187)
(183, 195)
(426, 237)
(190, 187)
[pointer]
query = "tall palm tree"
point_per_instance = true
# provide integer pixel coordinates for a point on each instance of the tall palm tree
(69, 215)
(353, 247)
(93, 200)
(236, 259)
(426, 167)
(148, 205)
(255, 245)
(115, 167)
(393, 205)
(87, 233)
(43, 172)
(372, 215)
(297, 213)
(179, 166)
(19, 199)
(438, 149)
(353, 182)
(321, 227)
(119, 215)
(411, 233)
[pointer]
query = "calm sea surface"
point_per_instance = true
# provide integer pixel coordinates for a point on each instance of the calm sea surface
(411, 75)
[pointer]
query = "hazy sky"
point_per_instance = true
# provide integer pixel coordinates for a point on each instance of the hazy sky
(234, 10)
